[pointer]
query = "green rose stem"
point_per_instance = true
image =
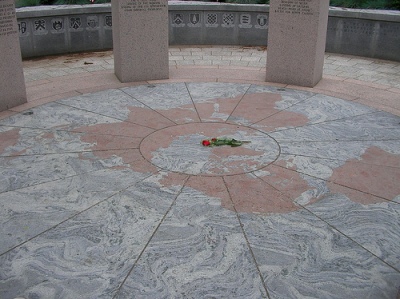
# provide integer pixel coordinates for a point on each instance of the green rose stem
(223, 141)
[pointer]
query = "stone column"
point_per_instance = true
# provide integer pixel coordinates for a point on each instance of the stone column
(12, 82)
(296, 41)
(140, 39)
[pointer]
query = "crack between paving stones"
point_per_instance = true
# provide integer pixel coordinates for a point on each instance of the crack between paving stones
(71, 217)
(241, 98)
(342, 141)
(346, 236)
(147, 106)
(71, 176)
(111, 117)
(332, 159)
(151, 237)
(50, 130)
(247, 240)
(332, 227)
(84, 133)
(193, 103)
(329, 181)
(326, 121)
(67, 153)
(348, 187)
(283, 110)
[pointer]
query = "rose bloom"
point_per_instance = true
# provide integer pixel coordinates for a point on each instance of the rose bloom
(206, 143)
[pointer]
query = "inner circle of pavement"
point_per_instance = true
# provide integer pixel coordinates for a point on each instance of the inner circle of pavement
(178, 149)
(111, 194)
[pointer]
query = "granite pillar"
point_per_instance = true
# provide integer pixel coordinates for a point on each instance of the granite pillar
(140, 39)
(12, 82)
(296, 41)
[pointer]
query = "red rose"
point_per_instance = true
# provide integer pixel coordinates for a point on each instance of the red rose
(213, 139)
(206, 143)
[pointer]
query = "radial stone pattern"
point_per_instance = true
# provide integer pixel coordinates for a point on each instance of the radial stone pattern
(112, 195)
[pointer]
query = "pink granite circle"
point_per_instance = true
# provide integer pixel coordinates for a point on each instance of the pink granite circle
(179, 149)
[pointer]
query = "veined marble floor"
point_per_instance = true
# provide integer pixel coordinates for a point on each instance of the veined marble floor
(111, 195)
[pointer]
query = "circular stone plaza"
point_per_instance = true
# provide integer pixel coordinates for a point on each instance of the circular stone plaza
(107, 192)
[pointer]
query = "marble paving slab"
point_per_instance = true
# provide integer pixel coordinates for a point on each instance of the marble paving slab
(363, 224)
(199, 251)
(301, 256)
(32, 210)
(90, 254)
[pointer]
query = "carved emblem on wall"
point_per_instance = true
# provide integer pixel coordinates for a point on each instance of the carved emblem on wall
(228, 20)
(245, 21)
(39, 27)
(211, 20)
(194, 20)
(21, 27)
(75, 23)
(57, 25)
(177, 20)
(92, 22)
(108, 21)
(262, 22)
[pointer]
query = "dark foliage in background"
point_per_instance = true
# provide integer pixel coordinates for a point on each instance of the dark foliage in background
(376, 4)
(22, 3)
(371, 4)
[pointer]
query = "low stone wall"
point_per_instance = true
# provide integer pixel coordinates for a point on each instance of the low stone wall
(368, 33)
(47, 30)
(196, 23)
